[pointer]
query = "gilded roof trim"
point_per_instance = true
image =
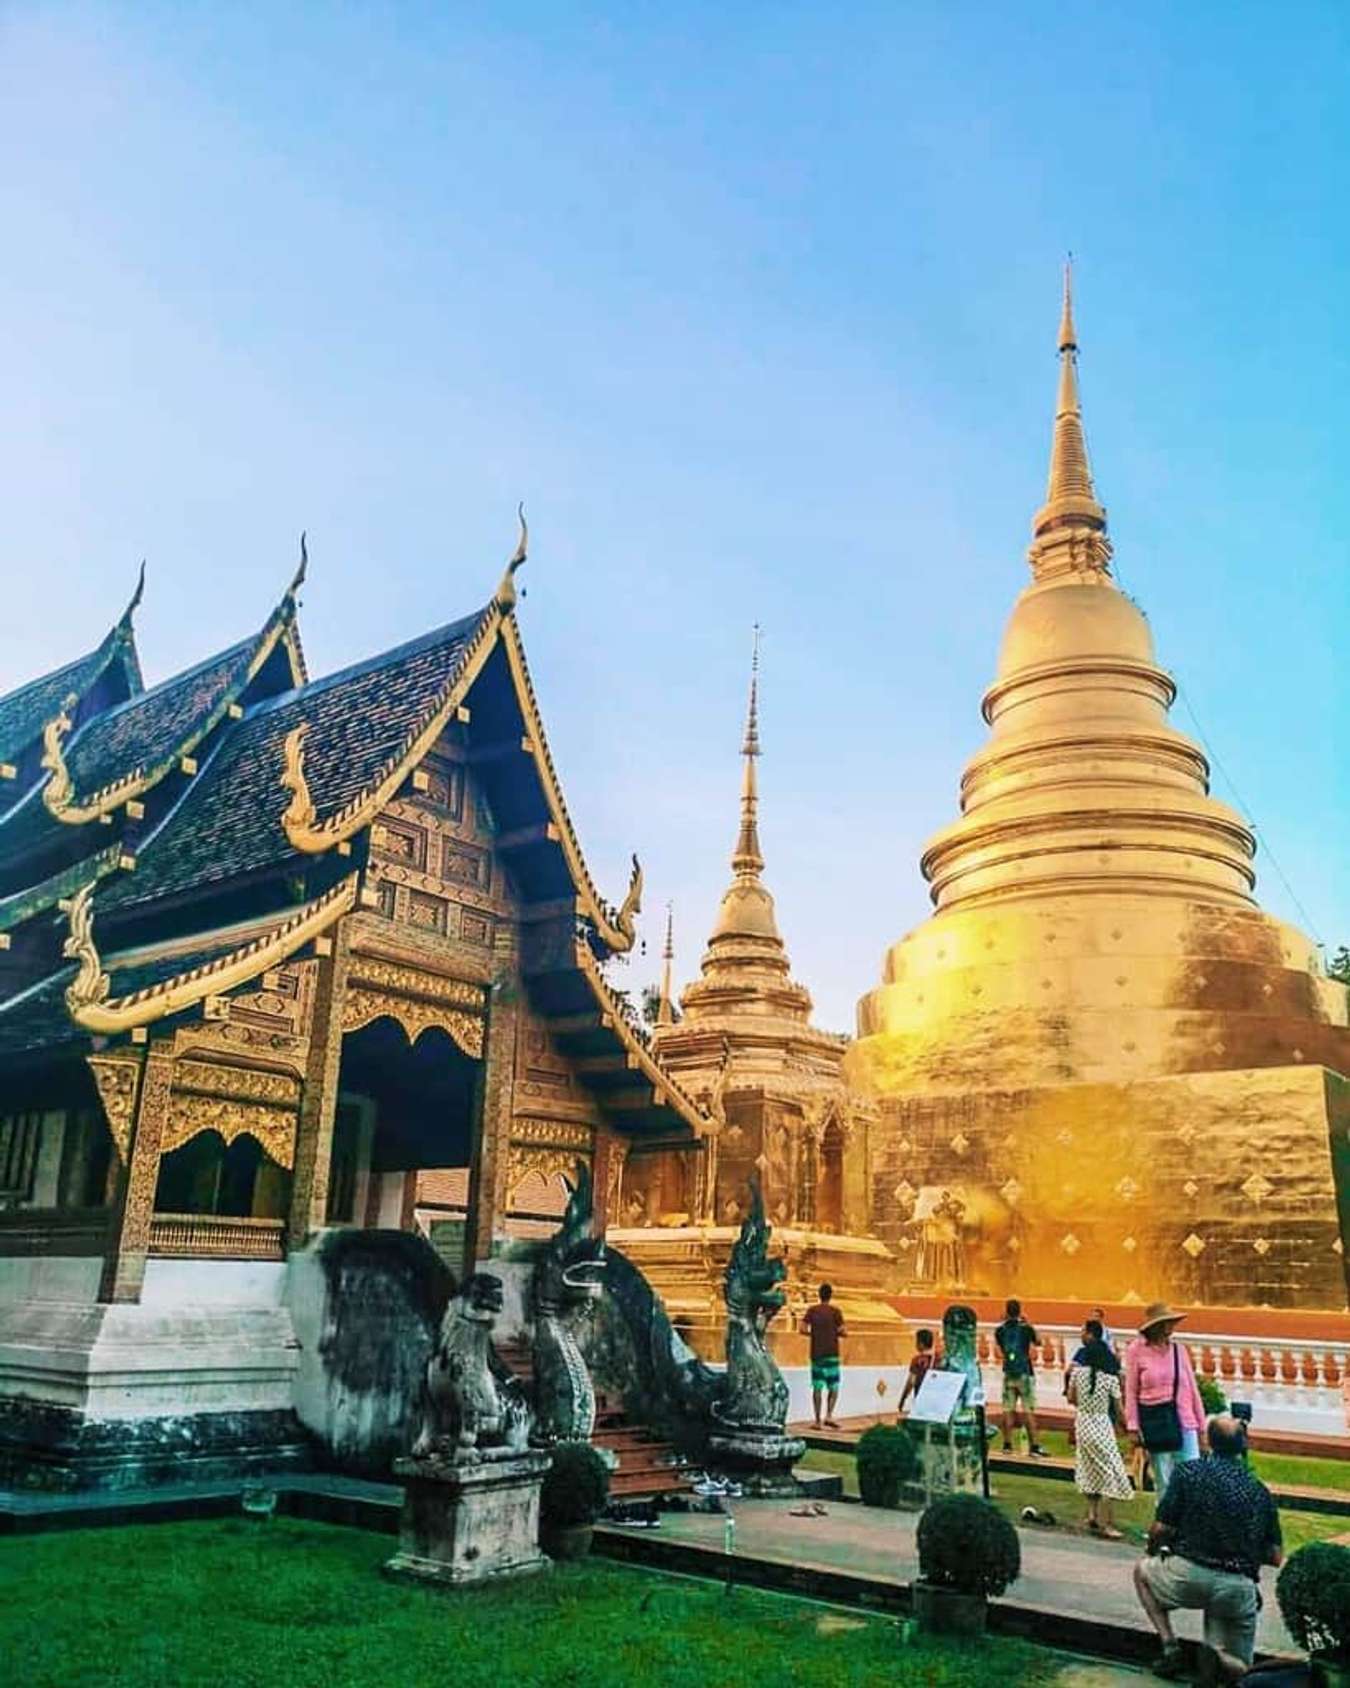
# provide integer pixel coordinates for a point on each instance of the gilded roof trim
(304, 830)
(91, 1006)
(651, 1069)
(616, 927)
(58, 794)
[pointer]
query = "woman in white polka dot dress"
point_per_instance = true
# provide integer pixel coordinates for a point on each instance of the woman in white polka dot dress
(1094, 1391)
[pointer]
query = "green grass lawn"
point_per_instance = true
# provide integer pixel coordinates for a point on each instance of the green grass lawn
(1297, 1470)
(1050, 1494)
(303, 1606)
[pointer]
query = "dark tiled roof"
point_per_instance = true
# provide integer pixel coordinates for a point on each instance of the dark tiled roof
(228, 823)
(38, 1017)
(149, 730)
(23, 905)
(25, 711)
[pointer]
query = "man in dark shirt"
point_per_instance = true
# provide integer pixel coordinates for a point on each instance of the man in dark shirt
(1015, 1339)
(1221, 1526)
(824, 1324)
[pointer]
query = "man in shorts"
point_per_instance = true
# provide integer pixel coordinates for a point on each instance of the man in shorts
(1015, 1339)
(824, 1324)
(1220, 1526)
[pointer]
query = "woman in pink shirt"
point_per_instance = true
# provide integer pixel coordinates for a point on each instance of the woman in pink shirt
(1157, 1370)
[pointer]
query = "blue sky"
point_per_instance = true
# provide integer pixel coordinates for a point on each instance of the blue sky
(755, 308)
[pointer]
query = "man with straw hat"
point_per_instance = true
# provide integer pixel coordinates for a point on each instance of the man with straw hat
(1163, 1408)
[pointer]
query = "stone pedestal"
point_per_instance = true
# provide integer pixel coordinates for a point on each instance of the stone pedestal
(469, 1523)
(760, 1461)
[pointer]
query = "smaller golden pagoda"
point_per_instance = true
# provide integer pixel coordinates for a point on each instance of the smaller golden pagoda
(743, 1047)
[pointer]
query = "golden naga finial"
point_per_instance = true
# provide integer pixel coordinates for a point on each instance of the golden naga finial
(298, 579)
(300, 812)
(626, 919)
(506, 591)
(90, 984)
(59, 789)
(136, 597)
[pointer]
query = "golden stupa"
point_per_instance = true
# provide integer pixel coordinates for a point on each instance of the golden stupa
(1102, 1071)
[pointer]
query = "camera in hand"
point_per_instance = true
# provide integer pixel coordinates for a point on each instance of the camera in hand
(1241, 1410)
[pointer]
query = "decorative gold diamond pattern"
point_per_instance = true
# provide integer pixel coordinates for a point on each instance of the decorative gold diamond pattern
(1011, 1192)
(1129, 1245)
(1194, 1246)
(1070, 1244)
(1257, 1188)
(905, 1192)
(1127, 1189)
(1262, 1246)
(1191, 1188)
(960, 1143)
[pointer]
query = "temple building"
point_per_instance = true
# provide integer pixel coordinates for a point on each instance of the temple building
(744, 1048)
(1102, 1071)
(278, 955)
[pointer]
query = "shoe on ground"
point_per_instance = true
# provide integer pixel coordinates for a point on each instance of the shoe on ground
(1170, 1664)
(1038, 1452)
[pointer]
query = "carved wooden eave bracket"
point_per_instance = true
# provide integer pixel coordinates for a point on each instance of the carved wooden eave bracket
(59, 796)
(88, 997)
(666, 1089)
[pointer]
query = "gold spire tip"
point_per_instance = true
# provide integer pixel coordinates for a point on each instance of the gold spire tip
(1068, 338)
(751, 744)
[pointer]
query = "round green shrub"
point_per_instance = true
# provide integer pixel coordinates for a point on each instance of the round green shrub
(965, 1543)
(1212, 1395)
(576, 1487)
(887, 1460)
(1313, 1590)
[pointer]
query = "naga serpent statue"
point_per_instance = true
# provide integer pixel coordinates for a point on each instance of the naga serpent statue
(565, 1288)
(474, 1410)
(756, 1397)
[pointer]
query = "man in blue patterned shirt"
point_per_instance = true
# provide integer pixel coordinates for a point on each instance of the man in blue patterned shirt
(1216, 1526)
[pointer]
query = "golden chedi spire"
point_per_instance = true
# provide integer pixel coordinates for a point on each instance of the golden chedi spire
(665, 1010)
(746, 966)
(1069, 530)
(747, 912)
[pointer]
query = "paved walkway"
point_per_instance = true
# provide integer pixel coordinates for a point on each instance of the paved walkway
(1059, 1574)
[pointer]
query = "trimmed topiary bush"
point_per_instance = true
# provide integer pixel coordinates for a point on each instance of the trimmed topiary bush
(887, 1460)
(1212, 1395)
(966, 1544)
(1313, 1589)
(576, 1487)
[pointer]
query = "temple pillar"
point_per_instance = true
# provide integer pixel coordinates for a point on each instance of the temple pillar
(134, 1197)
(496, 1102)
(318, 1103)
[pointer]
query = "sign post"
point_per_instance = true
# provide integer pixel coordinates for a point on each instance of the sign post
(938, 1397)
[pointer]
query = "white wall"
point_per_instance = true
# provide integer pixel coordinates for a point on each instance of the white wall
(53, 1277)
(213, 1283)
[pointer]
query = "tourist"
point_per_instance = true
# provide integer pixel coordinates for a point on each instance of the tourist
(1216, 1526)
(925, 1358)
(1094, 1392)
(824, 1324)
(1015, 1339)
(1163, 1409)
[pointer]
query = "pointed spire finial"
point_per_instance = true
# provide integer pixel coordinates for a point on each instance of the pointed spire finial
(506, 591)
(1069, 530)
(1068, 338)
(665, 1008)
(136, 596)
(747, 858)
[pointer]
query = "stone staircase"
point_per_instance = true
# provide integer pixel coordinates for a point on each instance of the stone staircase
(646, 1466)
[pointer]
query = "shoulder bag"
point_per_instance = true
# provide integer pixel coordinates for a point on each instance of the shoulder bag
(1160, 1422)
